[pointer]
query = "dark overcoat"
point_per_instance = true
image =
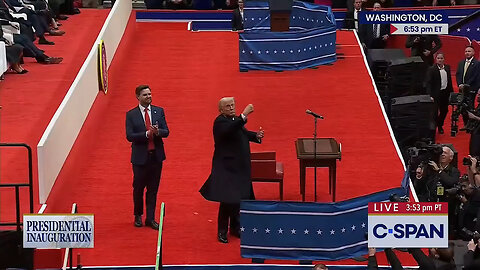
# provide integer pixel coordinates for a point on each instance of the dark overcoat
(230, 178)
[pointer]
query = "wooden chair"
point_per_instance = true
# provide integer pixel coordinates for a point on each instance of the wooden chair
(265, 168)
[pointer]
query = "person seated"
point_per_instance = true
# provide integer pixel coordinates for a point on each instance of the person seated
(34, 20)
(30, 50)
(434, 174)
(14, 54)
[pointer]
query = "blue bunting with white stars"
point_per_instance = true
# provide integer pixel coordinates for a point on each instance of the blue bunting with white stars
(308, 231)
(310, 42)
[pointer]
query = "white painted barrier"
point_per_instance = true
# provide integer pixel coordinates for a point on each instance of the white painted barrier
(63, 129)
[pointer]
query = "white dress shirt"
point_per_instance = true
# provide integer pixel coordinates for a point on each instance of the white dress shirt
(443, 77)
(142, 109)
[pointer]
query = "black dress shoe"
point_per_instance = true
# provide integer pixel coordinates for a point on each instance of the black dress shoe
(152, 224)
(51, 60)
(138, 221)
(440, 130)
(222, 238)
(44, 41)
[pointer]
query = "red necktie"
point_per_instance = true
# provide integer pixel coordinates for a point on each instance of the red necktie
(148, 123)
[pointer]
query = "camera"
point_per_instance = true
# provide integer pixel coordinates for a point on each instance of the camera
(468, 162)
(422, 153)
(460, 103)
(395, 198)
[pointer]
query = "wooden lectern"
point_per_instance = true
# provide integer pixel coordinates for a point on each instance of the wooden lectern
(328, 151)
(280, 11)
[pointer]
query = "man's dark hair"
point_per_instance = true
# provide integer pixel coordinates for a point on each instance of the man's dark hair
(470, 46)
(140, 88)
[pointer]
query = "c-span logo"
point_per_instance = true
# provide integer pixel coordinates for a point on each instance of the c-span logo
(407, 225)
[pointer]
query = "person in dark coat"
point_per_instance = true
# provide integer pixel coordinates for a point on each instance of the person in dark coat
(237, 20)
(230, 178)
(439, 86)
(145, 127)
(351, 18)
(374, 36)
(422, 45)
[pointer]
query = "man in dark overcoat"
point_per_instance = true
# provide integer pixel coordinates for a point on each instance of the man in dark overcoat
(230, 178)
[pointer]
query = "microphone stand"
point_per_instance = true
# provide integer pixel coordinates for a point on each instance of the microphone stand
(315, 158)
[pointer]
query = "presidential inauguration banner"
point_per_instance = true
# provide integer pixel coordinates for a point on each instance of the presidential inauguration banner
(58, 230)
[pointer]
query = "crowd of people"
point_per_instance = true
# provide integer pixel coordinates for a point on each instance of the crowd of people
(26, 23)
(435, 174)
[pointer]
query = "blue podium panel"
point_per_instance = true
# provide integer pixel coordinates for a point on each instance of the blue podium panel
(287, 50)
(310, 42)
(308, 231)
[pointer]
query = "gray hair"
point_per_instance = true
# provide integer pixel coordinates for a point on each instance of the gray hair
(223, 101)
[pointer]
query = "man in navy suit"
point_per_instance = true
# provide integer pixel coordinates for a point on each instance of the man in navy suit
(146, 126)
(468, 72)
(374, 36)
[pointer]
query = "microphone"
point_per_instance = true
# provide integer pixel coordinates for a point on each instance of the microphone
(314, 114)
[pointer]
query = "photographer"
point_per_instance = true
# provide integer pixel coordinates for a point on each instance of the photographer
(432, 178)
(469, 218)
(437, 259)
(470, 259)
(475, 134)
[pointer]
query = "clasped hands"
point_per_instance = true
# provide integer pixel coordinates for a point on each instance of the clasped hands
(153, 130)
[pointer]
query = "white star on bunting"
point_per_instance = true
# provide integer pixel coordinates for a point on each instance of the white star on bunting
(242, 229)
(293, 231)
(319, 232)
(280, 231)
(353, 228)
(363, 225)
(306, 231)
(343, 230)
(332, 232)
(254, 230)
(267, 230)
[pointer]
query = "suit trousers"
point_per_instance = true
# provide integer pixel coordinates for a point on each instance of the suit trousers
(442, 105)
(226, 212)
(146, 176)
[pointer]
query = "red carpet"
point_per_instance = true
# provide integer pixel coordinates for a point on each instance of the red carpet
(188, 73)
(29, 101)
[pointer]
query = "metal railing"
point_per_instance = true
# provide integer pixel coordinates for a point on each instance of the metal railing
(17, 186)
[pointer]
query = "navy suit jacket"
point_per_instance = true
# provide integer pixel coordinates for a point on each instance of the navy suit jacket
(136, 129)
(472, 77)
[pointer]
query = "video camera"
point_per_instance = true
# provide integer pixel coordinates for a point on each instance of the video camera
(461, 103)
(422, 153)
